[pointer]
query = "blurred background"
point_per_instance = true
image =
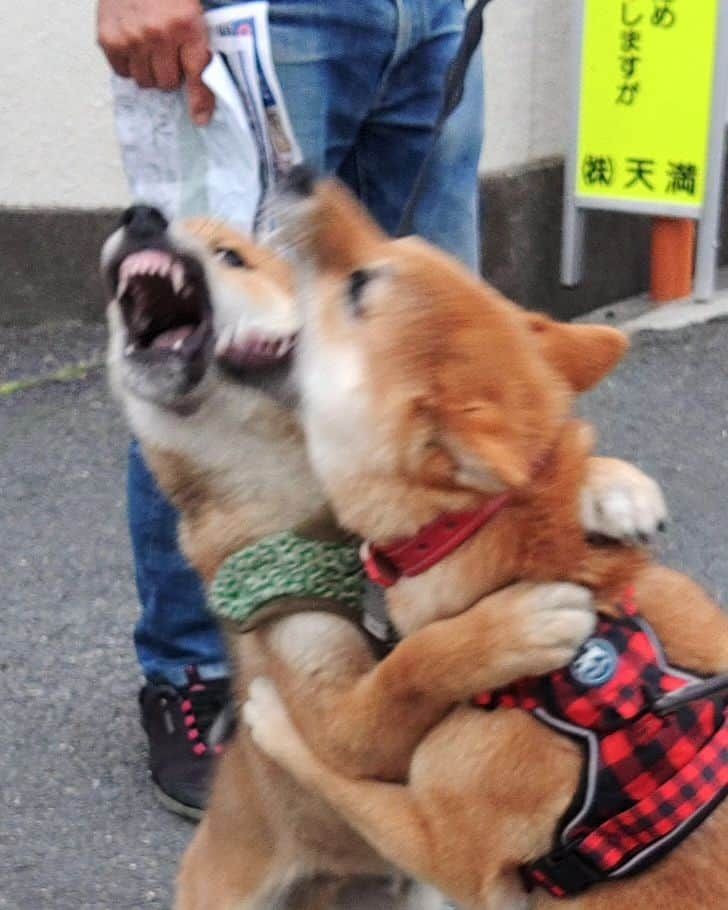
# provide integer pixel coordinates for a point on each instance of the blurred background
(60, 172)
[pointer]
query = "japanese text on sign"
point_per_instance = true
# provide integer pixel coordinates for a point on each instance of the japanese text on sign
(646, 90)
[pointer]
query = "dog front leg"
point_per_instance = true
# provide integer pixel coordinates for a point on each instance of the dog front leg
(620, 501)
(382, 813)
(525, 629)
(370, 725)
(387, 815)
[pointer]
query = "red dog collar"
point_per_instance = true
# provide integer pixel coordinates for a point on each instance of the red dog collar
(414, 555)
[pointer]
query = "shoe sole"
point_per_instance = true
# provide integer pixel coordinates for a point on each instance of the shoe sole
(174, 805)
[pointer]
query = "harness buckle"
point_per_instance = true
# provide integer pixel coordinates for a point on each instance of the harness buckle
(563, 872)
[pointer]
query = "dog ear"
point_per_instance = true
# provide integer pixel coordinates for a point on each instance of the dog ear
(582, 354)
(485, 453)
(470, 446)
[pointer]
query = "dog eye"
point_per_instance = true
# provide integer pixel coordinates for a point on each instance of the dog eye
(358, 280)
(230, 257)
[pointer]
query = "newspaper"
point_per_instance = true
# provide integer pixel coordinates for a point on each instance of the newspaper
(227, 168)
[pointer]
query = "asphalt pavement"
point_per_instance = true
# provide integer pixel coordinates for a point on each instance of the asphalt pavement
(79, 826)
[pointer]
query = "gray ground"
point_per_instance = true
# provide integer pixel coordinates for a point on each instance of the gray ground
(79, 827)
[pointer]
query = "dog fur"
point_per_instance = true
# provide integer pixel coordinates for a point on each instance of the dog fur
(233, 462)
(423, 392)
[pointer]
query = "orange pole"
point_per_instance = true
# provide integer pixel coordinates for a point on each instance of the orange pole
(671, 261)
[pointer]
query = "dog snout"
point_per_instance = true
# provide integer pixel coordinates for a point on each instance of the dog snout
(144, 222)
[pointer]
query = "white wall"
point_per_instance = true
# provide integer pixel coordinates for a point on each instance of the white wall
(527, 63)
(57, 143)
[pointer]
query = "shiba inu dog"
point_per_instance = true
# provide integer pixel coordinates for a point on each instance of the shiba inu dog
(201, 326)
(429, 400)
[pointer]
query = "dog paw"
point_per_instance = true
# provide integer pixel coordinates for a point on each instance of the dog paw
(271, 727)
(621, 502)
(555, 620)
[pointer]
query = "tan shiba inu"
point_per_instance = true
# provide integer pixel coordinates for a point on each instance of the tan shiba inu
(201, 323)
(426, 394)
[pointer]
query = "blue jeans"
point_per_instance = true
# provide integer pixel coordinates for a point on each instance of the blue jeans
(174, 630)
(363, 82)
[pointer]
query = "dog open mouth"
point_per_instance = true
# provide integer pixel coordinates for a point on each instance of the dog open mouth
(253, 350)
(165, 304)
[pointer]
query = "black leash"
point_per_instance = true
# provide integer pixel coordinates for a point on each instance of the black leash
(452, 96)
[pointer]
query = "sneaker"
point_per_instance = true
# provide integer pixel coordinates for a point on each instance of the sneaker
(178, 723)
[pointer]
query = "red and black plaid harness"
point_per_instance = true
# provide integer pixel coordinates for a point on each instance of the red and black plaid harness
(650, 776)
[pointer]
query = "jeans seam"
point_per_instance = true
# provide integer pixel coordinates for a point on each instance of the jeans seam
(402, 42)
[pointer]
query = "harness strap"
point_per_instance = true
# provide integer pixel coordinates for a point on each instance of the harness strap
(706, 688)
(696, 789)
(315, 566)
(656, 752)
(561, 873)
(452, 96)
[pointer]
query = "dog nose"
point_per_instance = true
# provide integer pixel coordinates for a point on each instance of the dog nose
(144, 222)
(300, 180)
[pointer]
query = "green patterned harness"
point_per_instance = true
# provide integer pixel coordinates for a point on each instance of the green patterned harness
(286, 573)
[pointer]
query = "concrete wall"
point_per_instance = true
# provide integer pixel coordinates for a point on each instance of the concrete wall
(58, 146)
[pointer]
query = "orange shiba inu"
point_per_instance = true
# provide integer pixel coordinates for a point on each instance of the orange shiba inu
(427, 398)
(201, 325)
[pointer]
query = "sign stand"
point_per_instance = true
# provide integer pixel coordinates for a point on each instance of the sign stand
(709, 227)
(628, 179)
(672, 258)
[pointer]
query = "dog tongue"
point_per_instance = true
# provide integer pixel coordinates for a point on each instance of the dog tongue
(171, 337)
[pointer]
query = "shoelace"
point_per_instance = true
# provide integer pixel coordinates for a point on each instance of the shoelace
(201, 705)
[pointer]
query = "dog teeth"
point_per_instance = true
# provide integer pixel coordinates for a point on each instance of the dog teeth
(252, 344)
(145, 262)
(177, 274)
(129, 349)
(224, 339)
(240, 331)
(177, 346)
(285, 346)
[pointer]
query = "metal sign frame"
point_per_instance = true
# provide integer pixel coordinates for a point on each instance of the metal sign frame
(708, 214)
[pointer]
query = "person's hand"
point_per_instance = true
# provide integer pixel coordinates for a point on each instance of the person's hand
(159, 43)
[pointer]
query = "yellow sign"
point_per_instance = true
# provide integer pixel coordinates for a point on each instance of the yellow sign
(645, 106)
